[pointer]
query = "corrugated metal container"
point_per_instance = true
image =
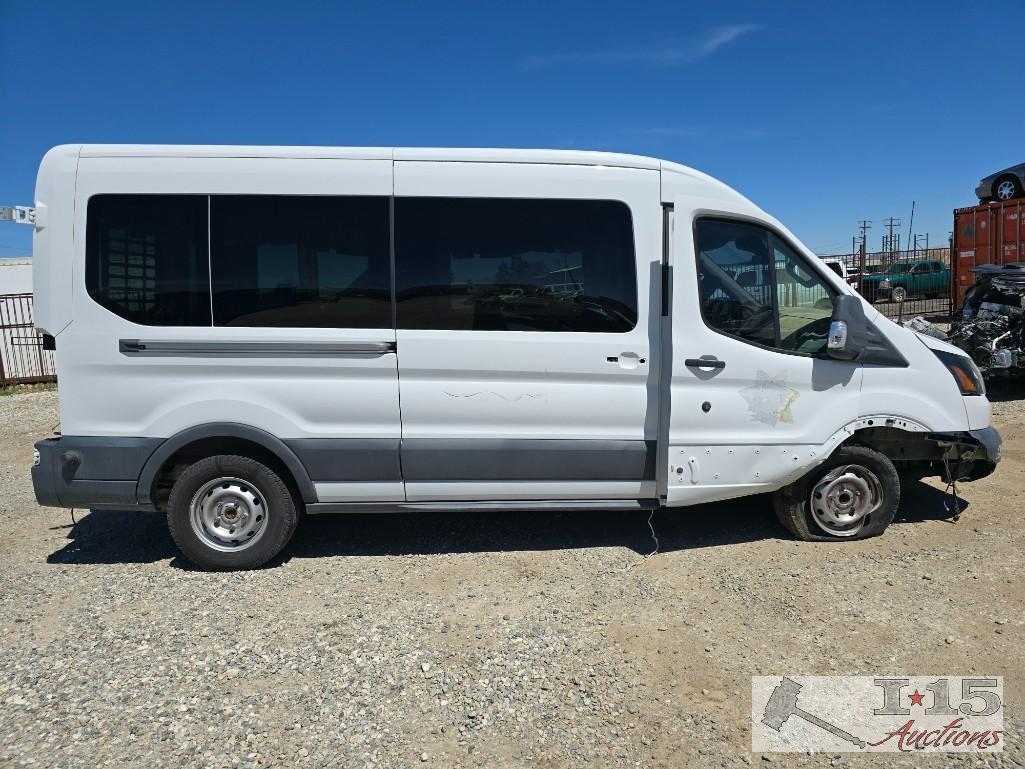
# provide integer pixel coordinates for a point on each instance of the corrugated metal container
(991, 233)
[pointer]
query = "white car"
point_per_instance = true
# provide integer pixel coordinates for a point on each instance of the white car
(839, 266)
(244, 333)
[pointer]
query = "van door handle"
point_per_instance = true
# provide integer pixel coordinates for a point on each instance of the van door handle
(627, 360)
(705, 363)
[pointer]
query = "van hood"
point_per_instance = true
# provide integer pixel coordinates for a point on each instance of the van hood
(938, 344)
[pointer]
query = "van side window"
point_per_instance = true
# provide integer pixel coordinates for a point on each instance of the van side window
(735, 280)
(803, 302)
(753, 286)
(146, 258)
(300, 261)
(500, 264)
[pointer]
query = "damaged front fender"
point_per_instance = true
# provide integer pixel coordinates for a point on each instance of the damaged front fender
(968, 456)
(952, 456)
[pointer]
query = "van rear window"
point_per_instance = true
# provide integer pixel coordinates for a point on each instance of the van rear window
(146, 258)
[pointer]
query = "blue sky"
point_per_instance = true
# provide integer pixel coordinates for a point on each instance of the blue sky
(822, 112)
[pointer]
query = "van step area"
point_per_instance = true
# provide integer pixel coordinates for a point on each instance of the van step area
(554, 505)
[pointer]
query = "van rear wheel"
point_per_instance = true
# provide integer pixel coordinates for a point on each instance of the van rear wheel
(852, 495)
(230, 512)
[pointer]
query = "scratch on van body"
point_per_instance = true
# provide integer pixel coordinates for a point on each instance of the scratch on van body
(507, 399)
(770, 399)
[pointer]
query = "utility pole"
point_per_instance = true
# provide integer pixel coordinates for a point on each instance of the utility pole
(864, 225)
(891, 224)
(911, 225)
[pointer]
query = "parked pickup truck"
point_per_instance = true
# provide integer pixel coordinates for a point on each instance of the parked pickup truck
(908, 278)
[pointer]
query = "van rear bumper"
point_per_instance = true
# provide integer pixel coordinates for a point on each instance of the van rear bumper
(86, 472)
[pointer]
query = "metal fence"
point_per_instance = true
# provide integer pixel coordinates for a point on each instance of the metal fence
(22, 357)
(902, 284)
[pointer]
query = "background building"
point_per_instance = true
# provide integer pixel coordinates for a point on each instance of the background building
(16, 276)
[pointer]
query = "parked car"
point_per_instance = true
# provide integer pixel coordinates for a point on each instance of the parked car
(1003, 185)
(901, 280)
(234, 328)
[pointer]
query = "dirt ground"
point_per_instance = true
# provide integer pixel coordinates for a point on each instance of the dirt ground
(498, 640)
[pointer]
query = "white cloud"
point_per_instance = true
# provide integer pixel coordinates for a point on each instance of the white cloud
(684, 52)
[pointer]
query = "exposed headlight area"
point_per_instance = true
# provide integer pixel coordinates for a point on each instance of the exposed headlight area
(965, 372)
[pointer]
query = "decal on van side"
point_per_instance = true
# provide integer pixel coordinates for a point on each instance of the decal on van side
(769, 399)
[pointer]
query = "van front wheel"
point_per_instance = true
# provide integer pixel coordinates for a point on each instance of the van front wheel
(230, 512)
(852, 495)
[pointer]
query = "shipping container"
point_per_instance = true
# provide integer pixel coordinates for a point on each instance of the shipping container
(991, 233)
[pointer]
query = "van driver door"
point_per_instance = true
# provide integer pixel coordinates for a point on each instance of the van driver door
(753, 398)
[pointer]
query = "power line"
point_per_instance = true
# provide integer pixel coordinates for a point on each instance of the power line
(889, 244)
(864, 226)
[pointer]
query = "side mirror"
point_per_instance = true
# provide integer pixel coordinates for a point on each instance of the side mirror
(848, 329)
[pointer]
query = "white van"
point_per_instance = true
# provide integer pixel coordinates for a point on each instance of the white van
(247, 333)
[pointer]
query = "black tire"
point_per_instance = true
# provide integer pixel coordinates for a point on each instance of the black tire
(1015, 185)
(273, 503)
(899, 294)
(793, 503)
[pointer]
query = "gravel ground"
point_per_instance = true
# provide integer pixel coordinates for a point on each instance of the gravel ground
(499, 640)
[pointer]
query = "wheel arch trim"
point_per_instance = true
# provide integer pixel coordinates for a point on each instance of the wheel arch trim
(262, 438)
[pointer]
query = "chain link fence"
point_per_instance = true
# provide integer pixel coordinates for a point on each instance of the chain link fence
(901, 284)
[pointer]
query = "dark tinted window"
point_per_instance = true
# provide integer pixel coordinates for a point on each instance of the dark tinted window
(735, 280)
(936, 266)
(313, 262)
(146, 258)
(515, 265)
(755, 287)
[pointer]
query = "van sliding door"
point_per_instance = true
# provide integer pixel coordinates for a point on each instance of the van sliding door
(527, 322)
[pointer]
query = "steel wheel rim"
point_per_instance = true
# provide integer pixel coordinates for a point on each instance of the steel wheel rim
(899, 295)
(228, 514)
(1005, 190)
(843, 500)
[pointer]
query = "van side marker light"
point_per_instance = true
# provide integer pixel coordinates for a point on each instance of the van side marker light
(837, 335)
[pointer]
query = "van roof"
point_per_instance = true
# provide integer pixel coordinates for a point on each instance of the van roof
(457, 154)
(702, 181)
(567, 157)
